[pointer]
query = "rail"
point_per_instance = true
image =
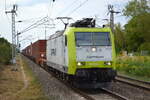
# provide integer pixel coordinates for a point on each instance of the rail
(133, 82)
(114, 94)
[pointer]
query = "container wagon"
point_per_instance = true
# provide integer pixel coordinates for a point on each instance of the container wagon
(36, 51)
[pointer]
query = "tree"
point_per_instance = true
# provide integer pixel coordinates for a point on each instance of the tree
(136, 7)
(137, 29)
(119, 38)
(5, 51)
(138, 32)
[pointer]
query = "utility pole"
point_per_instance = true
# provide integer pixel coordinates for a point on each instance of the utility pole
(13, 14)
(17, 35)
(111, 11)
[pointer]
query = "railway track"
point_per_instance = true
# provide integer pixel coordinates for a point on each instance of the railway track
(98, 96)
(82, 94)
(133, 82)
(104, 91)
(87, 96)
(114, 94)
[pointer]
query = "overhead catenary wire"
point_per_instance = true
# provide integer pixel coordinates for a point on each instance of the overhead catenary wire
(33, 25)
(49, 7)
(51, 10)
(77, 8)
(31, 28)
(36, 24)
(66, 8)
(30, 19)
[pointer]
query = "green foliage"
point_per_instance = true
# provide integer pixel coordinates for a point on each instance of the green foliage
(138, 32)
(137, 29)
(5, 51)
(139, 66)
(136, 7)
(145, 46)
(120, 39)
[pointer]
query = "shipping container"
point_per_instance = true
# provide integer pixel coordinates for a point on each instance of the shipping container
(36, 51)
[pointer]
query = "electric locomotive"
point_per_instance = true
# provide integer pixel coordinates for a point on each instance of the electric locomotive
(83, 54)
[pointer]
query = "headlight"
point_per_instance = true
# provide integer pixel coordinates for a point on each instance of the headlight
(93, 49)
(108, 63)
(80, 63)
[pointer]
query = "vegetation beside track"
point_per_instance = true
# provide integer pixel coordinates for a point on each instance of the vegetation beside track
(134, 36)
(5, 51)
(13, 85)
(137, 67)
(34, 90)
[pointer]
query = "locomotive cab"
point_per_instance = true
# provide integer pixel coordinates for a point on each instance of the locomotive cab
(92, 55)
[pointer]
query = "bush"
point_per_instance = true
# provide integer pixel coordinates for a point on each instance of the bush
(139, 65)
(145, 47)
(5, 51)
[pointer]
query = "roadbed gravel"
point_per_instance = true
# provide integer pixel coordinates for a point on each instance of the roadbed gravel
(133, 93)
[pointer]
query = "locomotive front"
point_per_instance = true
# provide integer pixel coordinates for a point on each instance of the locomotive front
(91, 56)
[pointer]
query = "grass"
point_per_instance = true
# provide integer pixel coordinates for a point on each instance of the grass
(34, 90)
(137, 67)
(0, 67)
(10, 82)
(11, 85)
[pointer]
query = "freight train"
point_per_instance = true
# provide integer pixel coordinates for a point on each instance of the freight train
(82, 54)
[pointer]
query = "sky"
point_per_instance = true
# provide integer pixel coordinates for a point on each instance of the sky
(30, 11)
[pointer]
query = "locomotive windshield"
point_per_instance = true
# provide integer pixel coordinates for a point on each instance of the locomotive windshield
(92, 38)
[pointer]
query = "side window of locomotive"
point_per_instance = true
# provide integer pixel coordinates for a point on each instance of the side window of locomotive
(53, 52)
(65, 40)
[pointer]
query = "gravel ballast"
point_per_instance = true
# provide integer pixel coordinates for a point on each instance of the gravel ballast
(133, 93)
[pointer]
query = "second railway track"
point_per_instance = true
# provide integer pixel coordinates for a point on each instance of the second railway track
(133, 82)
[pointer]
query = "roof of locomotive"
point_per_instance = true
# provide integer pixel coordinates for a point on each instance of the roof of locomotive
(57, 34)
(86, 24)
(80, 29)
